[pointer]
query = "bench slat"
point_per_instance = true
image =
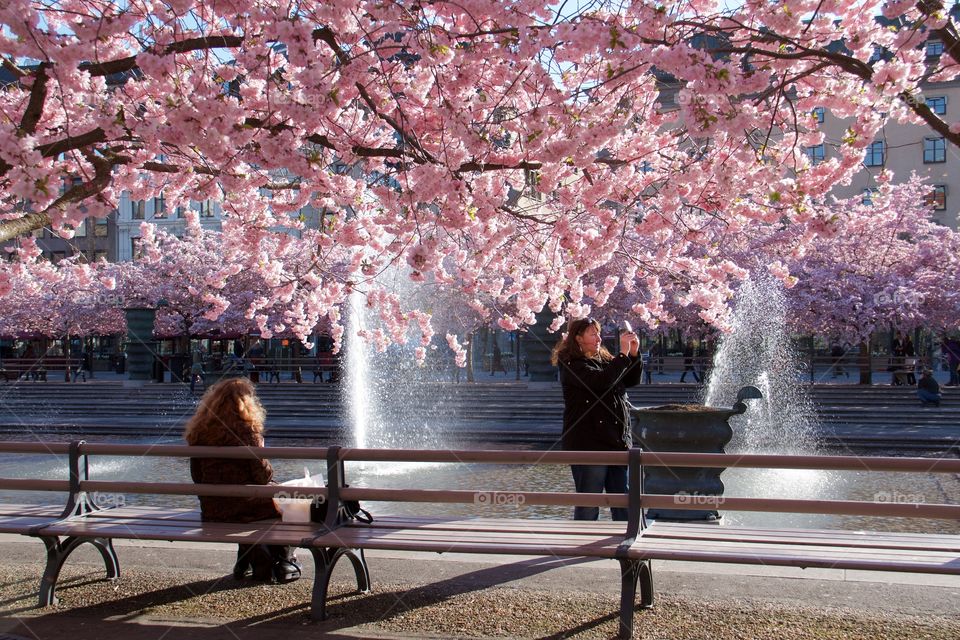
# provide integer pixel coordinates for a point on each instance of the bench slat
(873, 540)
(764, 547)
(129, 529)
(806, 558)
(661, 526)
(502, 524)
(22, 518)
(784, 554)
(39, 510)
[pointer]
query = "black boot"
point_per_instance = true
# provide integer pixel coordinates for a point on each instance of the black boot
(242, 568)
(285, 565)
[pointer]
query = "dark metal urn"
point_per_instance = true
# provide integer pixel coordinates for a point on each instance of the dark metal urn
(141, 347)
(688, 429)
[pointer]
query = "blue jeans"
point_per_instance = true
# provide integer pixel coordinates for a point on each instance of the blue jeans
(599, 478)
(926, 396)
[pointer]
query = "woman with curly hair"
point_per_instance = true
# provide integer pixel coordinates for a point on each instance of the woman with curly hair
(595, 406)
(230, 415)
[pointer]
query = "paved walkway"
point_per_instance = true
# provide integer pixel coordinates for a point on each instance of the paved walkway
(184, 591)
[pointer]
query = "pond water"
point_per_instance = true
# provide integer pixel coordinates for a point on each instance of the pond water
(838, 485)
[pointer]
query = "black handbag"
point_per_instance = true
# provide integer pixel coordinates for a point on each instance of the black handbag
(347, 511)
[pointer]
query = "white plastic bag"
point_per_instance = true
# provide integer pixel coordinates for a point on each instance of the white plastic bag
(294, 507)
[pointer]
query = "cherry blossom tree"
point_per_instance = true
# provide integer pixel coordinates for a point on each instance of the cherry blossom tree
(56, 301)
(853, 268)
(505, 148)
(876, 266)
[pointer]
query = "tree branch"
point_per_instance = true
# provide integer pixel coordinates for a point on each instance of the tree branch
(38, 95)
(103, 169)
(23, 225)
(183, 46)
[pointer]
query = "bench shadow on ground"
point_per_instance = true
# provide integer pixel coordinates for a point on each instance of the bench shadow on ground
(132, 617)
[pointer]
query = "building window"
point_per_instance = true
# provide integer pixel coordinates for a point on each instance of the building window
(80, 231)
(934, 48)
(938, 197)
(531, 183)
(868, 194)
(136, 251)
(206, 209)
(179, 211)
(816, 153)
(819, 113)
(874, 155)
(138, 209)
(646, 167)
(934, 150)
(938, 105)
(100, 228)
(159, 207)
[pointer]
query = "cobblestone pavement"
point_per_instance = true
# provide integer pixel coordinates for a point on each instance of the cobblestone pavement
(172, 593)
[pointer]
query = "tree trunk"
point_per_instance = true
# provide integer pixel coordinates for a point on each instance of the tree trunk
(469, 347)
(866, 373)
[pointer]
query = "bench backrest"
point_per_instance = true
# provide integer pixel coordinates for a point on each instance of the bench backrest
(78, 484)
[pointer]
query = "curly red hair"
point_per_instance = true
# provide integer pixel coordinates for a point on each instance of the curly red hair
(229, 414)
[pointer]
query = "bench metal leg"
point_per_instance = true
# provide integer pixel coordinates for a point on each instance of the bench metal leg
(632, 572)
(324, 561)
(57, 553)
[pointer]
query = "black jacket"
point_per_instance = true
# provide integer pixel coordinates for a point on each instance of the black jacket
(928, 384)
(595, 406)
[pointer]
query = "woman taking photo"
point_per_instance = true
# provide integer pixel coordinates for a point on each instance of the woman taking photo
(595, 407)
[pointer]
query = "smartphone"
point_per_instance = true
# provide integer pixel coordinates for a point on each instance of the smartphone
(626, 327)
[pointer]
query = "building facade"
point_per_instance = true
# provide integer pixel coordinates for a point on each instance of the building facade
(905, 149)
(132, 213)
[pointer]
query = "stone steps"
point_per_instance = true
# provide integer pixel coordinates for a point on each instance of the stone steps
(481, 411)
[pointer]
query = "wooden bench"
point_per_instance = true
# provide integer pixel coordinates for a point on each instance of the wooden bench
(13, 369)
(634, 544)
(273, 369)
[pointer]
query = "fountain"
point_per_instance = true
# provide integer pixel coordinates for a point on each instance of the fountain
(755, 360)
(391, 401)
(758, 352)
